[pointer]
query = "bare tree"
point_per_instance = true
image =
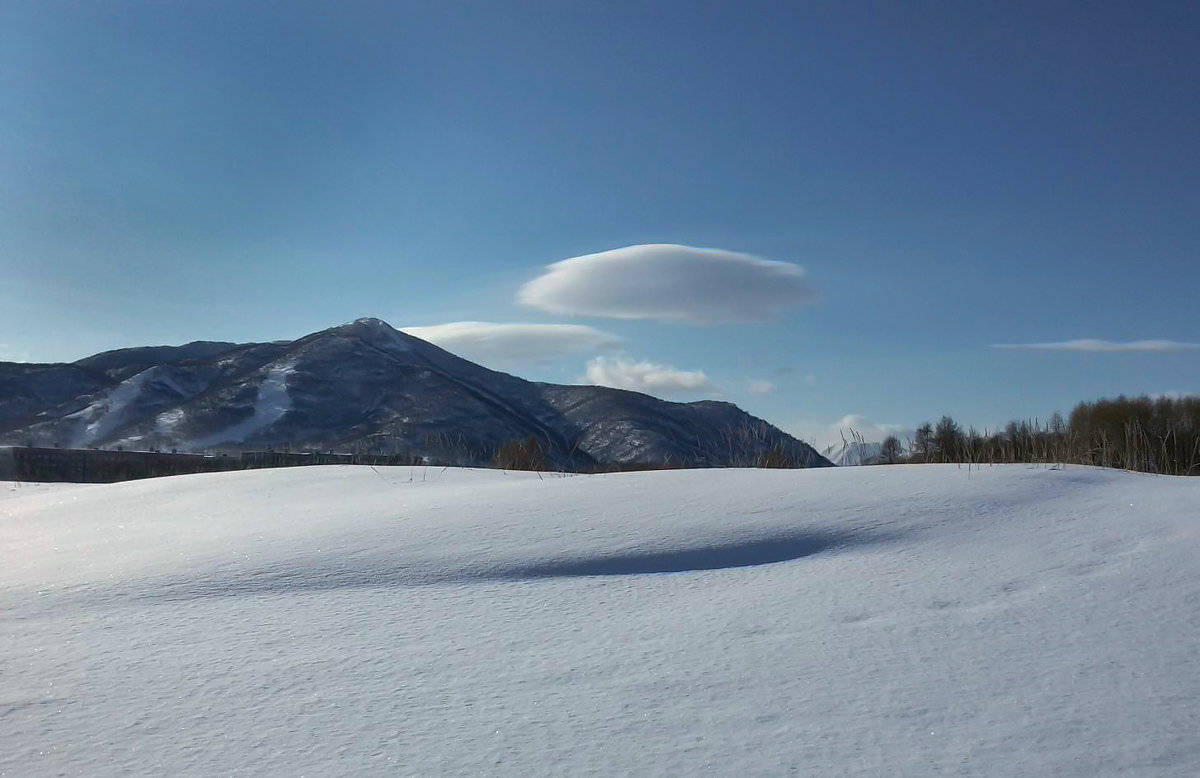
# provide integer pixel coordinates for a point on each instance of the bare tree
(890, 451)
(947, 437)
(923, 442)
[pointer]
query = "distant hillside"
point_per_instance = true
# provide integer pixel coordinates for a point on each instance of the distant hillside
(853, 453)
(366, 387)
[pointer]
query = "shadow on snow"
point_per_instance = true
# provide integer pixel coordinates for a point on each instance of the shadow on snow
(376, 572)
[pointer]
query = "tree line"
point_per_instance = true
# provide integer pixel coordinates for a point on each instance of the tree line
(1147, 434)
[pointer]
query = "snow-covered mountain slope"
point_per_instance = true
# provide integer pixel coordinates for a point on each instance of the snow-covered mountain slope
(366, 387)
(125, 362)
(908, 620)
(852, 453)
(33, 393)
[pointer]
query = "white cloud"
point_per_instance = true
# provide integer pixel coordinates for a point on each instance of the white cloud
(760, 387)
(648, 377)
(669, 283)
(1104, 346)
(514, 344)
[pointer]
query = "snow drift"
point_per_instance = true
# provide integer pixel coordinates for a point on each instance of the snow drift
(341, 620)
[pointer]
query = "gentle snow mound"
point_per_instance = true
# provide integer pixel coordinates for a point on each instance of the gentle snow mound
(891, 620)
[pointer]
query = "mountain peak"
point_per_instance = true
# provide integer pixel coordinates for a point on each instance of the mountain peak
(371, 321)
(377, 332)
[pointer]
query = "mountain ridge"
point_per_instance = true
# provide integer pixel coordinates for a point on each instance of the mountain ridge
(366, 387)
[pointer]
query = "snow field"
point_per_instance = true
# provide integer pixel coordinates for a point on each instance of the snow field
(907, 620)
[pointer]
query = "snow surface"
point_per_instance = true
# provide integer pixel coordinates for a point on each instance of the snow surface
(380, 334)
(167, 421)
(908, 620)
(270, 405)
(111, 411)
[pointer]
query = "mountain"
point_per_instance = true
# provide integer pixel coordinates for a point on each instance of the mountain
(853, 453)
(125, 362)
(366, 387)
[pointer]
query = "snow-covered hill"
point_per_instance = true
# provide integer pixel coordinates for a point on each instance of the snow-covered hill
(853, 453)
(908, 620)
(365, 387)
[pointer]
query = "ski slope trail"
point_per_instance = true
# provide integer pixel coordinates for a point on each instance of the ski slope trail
(908, 620)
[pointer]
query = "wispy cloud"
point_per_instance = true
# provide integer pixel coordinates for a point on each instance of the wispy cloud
(669, 283)
(1104, 346)
(514, 344)
(808, 378)
(648, 377)
(760, 387)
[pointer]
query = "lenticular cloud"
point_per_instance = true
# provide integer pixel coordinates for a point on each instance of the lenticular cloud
(669, 283)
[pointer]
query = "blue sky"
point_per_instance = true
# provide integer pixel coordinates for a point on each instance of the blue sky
(950, 176)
